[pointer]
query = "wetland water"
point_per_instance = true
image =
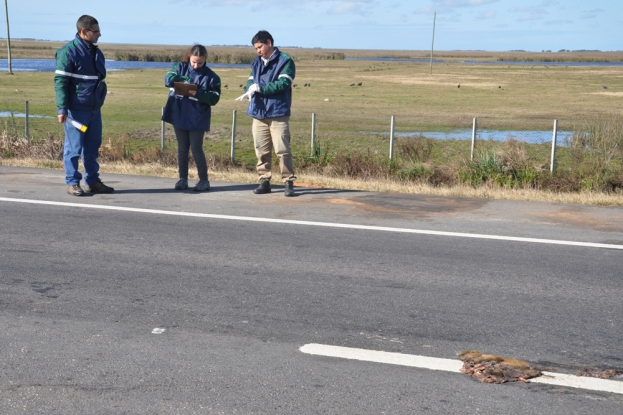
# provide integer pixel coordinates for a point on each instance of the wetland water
(471, 62)
(563, 138)
(49, 65)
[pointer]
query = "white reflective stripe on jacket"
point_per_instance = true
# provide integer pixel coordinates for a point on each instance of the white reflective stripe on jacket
(75, 75)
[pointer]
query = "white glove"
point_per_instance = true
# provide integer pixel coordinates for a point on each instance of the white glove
(252, 90)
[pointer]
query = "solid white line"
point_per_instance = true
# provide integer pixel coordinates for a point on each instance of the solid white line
(423, 362)
(451, 365)
(320, 224)
(580, 382)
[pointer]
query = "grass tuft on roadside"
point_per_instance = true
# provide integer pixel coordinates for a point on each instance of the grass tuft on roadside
(593, 173)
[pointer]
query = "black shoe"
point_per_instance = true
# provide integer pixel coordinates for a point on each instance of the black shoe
(99, 187)
(264, 187)
(75, 190)
(289, 190)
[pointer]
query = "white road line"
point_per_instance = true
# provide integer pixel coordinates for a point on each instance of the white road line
(319, 224)
(423, 362)
(451, 365)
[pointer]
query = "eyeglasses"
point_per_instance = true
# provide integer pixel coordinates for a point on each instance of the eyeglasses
(94, 31)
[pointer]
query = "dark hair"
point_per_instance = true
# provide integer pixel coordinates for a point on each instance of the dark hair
(195, 50)
(86, 22)
(262, 37)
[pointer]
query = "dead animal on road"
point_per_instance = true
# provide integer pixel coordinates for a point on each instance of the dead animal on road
(496, 369)
(599, 374)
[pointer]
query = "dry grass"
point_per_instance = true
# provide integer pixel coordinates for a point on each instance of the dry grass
(239, 175)
(45, 50)
(351, 123)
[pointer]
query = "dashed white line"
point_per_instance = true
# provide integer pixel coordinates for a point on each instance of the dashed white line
(451, 365)
(319, 224)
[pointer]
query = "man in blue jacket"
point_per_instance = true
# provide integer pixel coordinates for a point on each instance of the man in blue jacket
(269, 90)
(80, 93)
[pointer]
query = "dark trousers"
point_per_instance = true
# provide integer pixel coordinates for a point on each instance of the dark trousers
(192, 140)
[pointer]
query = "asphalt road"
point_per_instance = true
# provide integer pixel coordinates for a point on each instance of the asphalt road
(82, 290)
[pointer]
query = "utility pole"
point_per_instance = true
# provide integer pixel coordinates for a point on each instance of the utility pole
(433, 44)
(8, 35)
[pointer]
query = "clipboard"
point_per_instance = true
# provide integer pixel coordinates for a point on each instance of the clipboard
(182, 88)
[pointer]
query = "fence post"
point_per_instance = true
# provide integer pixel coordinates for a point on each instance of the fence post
(27, 132)
(391, 138)
(233, 137)
(313, 134)
(162, 129)
(471, 158)
(554, 136)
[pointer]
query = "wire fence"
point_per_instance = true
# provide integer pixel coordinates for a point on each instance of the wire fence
(361, 131)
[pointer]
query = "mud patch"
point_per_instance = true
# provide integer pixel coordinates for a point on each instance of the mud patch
(610, 94)
(413, 205)
(611, 221)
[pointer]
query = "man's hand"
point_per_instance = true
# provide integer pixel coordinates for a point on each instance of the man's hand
(62, 117)
(252, 90)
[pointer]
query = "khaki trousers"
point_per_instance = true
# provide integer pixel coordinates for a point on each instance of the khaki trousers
(270, 133)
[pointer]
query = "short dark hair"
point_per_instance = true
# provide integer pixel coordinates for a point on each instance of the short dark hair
(262, 37)
(195, 50)
(86, 22)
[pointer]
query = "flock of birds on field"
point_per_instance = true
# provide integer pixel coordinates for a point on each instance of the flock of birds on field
(352, 85)
(308, 84)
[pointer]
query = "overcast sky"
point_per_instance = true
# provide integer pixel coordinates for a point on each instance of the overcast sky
(495, 25)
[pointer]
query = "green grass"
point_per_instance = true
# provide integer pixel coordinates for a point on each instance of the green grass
(353, 122)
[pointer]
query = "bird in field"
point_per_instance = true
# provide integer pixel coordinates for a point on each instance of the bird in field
(604, 87)
(458, 86)
(360, 83)
(352, 84)
(240, 85)
(500, 86)
(225, 86)
(294, 85)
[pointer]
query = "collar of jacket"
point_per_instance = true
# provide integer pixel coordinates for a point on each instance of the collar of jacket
(272, 57)
(89, 46)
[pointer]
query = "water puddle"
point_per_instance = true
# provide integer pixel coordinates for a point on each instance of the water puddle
(529, 136)
(9, 114)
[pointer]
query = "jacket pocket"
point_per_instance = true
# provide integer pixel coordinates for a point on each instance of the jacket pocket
(100, 93)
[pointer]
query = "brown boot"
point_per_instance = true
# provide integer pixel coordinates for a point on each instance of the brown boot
(75, 190)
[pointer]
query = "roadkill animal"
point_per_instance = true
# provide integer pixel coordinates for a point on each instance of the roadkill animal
(488, 368)
(599, 374)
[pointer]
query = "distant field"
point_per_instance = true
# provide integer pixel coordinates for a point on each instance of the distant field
(353, 102)
(45, 50)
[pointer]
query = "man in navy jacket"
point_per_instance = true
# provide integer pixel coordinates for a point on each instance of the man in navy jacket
(80, 93)
(269, 90)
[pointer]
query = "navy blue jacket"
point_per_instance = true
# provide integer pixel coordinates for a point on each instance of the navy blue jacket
(275, 81)
(79, 77)
(191, 113)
